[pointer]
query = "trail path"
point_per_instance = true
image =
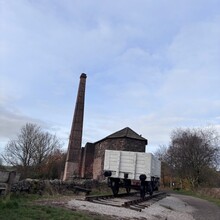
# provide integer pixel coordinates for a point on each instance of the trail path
(204, 210)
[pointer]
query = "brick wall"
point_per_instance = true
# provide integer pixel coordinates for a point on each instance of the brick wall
(124, 144)
(87, 161)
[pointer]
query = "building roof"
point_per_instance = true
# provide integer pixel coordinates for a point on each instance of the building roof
(125, 133)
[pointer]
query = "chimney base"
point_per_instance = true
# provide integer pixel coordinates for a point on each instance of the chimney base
(71, 171)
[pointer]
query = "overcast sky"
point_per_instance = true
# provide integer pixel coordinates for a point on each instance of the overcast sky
(151, 65)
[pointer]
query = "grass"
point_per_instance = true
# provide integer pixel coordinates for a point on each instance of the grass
(199, 195)
(25, 208)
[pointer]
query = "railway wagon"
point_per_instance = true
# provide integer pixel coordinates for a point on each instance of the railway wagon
(132, 170)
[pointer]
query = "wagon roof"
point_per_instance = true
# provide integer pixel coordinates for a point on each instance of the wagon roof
(125, 133)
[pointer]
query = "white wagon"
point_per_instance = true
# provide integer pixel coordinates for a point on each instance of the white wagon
(132, 170)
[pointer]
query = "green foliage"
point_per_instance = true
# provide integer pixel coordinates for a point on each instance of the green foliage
(25, 208)
(11, 204)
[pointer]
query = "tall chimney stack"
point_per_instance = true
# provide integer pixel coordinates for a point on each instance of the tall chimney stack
(72, 164)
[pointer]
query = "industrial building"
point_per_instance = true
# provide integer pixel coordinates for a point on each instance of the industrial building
(88, 161)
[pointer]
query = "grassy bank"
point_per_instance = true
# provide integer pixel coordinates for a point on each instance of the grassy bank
(26, 208)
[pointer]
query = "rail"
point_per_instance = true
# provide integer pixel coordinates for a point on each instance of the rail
(131, 200)
(108, 196)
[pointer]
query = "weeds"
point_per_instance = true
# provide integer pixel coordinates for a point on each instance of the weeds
(24, 208)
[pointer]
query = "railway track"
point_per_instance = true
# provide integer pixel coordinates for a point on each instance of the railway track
(131, 200)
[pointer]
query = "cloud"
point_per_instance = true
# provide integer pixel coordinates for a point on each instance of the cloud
(193, 78)
(12, 120)
(199, 41)
(151, 65)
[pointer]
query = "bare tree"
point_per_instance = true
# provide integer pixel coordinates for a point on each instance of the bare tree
(166, 170)
(1, 166)
(192, 151)
(55, 165)
(31, 147)
(46, 144)
(161, 153)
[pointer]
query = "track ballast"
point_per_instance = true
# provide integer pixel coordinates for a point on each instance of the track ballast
(131, 200)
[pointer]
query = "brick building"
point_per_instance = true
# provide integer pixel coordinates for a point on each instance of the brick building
(92, 155)
(88, 162)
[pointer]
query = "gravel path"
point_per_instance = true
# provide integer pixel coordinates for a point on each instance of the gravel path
(169, 208)
(204, 210)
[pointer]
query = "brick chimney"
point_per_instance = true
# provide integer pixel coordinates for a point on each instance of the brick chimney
(72, 165)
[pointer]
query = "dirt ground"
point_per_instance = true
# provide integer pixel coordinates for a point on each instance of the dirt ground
(201, 209)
